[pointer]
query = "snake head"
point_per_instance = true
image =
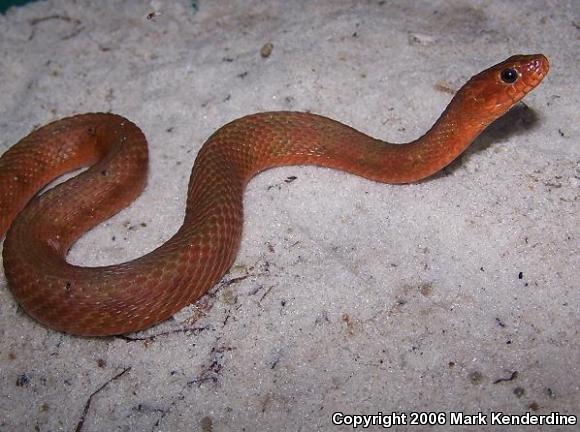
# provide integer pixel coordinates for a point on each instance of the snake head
(494, 91)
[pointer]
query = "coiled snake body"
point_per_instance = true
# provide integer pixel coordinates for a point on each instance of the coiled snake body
(131, 296)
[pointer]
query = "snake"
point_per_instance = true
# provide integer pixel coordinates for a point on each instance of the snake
(40, 228)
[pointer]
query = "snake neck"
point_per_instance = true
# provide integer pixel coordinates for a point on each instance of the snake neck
(447, 139)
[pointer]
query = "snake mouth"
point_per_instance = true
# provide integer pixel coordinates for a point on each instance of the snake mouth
(544, 65)
(535, 71)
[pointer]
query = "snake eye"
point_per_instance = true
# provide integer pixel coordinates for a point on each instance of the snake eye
(509, 75)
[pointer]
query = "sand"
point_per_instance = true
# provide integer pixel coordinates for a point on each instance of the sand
(457, 294)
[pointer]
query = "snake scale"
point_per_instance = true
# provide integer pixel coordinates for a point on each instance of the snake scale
(131, 296)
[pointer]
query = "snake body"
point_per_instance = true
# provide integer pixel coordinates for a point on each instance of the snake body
(134, 295)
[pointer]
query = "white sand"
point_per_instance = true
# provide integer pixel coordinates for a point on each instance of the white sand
(358, 297)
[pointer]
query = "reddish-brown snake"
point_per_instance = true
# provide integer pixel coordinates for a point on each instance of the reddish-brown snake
(131, 296)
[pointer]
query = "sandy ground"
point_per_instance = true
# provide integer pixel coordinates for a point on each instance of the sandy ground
(455, 294)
